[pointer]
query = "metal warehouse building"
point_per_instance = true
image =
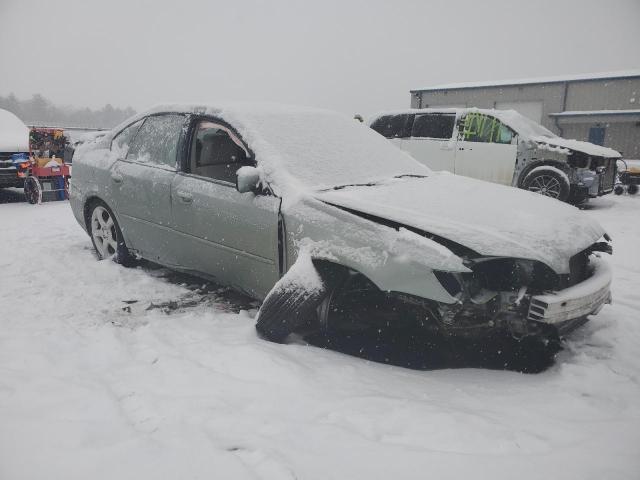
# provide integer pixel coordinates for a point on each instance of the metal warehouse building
(603, 108)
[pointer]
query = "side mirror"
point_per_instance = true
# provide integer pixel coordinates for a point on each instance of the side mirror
(247, 179)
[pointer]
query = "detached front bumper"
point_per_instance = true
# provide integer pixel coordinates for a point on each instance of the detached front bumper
(576, 302)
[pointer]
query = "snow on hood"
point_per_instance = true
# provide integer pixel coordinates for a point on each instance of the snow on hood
(490, 219)
(577, 145)
(14, 134)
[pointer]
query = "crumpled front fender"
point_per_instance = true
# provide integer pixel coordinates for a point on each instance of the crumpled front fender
(397, 260)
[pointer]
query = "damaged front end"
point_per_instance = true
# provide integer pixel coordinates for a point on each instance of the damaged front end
(525, 297)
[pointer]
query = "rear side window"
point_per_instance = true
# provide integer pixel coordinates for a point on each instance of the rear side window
(433, 125)
(391, 126)
(122, 141)
(477, 127)
(157, 140)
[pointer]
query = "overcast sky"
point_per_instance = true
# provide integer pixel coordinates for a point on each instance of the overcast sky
(352, 56)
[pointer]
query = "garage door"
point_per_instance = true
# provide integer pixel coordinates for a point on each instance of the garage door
(531, 110)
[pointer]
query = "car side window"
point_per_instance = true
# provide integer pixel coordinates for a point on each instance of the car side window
(433, 125)
(391, 126)
(478, 127)
(157, 140)
(216, 152)
(121, 142)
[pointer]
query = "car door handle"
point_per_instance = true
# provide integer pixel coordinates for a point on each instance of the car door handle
(186, 197)
(117, 177)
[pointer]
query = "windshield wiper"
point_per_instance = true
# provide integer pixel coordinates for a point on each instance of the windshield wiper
(373, 184)
(340, 187)
(410, 175)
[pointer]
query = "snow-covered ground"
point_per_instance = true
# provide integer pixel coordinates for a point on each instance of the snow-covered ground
(92, 387)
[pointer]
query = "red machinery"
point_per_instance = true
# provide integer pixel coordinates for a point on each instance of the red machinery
(48, 175)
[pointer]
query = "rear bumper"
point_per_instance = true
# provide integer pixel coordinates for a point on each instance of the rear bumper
(578, 301)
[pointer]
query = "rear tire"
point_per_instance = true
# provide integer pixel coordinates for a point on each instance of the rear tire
(33, 190)
(106, 235)
(549, 183)
(632, 189)
(618, 190)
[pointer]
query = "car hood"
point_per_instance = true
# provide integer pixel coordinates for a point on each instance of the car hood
(575, 145)
(492, 220)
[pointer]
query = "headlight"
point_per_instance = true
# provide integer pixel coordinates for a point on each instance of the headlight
(510, 274)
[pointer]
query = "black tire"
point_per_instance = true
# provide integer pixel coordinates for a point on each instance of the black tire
(632, 189)
(287, 310)
(548, 182)
(618, 190)
(32, 190)
(117, 251)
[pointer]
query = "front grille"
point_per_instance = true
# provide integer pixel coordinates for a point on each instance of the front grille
(7, 155)
(608, 179)
(537, 309)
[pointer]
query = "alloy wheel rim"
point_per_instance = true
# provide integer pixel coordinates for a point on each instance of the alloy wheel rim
(546, 185)
(103, 231)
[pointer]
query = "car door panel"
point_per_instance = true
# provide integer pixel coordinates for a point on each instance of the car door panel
(485, 149)
(492, 162)
(227, 235)
(436, 154)
(142, 197)
(431, 140)
(141, 183)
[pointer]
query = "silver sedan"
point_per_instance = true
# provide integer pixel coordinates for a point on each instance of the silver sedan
(329, 224)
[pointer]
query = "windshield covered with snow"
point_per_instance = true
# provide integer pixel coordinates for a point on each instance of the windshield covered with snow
(320, 149)
(523, 125)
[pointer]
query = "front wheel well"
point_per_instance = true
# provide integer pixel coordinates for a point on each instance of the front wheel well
(541, 163)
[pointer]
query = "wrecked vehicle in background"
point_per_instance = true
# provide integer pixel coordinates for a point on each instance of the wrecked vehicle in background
(502, 146)
(329, 224)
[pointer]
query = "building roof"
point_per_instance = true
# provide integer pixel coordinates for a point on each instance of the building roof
(533, 81)
(585, 113)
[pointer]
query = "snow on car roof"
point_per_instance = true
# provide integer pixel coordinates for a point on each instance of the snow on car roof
(530, 81)
(307, 148)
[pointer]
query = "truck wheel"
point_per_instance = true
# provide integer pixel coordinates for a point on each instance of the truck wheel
(632, 189)
(32, 190)
(547, 182)
(618, 190)
(106, 235)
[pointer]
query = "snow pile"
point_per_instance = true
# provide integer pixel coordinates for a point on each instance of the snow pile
(92, 387)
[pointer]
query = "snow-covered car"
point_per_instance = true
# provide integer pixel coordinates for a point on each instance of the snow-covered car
(14, 150)
(504, 147)
(329, 224)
